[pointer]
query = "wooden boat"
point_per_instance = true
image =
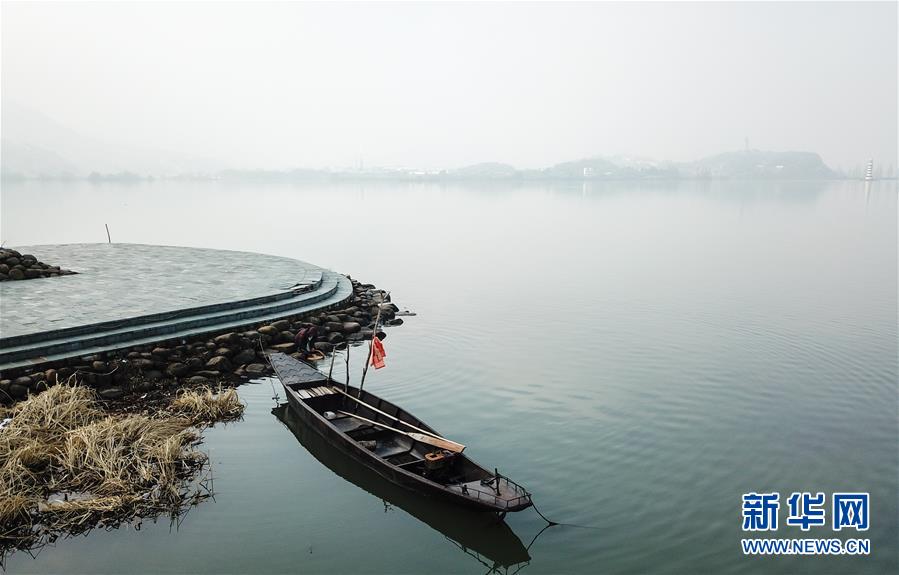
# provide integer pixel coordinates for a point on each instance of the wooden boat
(479, 534)
(392, 442)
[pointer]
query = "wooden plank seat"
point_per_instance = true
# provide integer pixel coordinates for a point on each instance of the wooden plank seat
(348, 424)
(312, 392)
(390, 449)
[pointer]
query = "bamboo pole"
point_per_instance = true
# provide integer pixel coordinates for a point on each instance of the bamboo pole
(331, 369)
(370, 342)
(346, 386)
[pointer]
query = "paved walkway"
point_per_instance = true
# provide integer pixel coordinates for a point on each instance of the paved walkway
(126, 292)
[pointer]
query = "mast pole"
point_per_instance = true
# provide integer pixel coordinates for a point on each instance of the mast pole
(370, 342)
(346, 386)
(331, 369)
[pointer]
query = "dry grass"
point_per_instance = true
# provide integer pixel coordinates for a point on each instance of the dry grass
(120, 466)
(203, 406)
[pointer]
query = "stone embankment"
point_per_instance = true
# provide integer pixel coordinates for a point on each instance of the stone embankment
(230, 357)
(17, 266)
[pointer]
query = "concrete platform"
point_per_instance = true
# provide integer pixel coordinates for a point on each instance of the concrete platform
(132, 294)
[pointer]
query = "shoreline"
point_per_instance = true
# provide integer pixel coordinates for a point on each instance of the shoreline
(162, 389)
(230, 356)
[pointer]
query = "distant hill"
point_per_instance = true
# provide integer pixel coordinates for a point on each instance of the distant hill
(585, 168)
(25, 161)
(750, 164)
(607, 168)
(36, 146)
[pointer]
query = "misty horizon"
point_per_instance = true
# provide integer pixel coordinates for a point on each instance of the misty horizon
(122, 161)
(236, 86)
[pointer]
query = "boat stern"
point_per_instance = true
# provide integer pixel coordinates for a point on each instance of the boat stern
(496, 492)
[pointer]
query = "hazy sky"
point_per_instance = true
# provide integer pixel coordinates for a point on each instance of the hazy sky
(440, 85)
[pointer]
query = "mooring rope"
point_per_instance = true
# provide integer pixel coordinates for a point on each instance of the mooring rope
(552, 523)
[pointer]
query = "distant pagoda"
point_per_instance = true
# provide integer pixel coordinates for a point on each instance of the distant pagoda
(869, 171)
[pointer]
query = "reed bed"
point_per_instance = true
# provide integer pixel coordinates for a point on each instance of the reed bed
(203, 406)
(68, 465)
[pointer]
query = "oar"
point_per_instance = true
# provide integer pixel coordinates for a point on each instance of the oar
(441, 443)
(375, 409)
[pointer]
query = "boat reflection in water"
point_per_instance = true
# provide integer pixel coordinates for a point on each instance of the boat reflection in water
(482, 535)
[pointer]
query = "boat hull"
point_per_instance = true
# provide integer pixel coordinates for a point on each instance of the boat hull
(305, 385)
(475, 533)
(314, 421)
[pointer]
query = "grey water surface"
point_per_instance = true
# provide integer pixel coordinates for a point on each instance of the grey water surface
(638, 355)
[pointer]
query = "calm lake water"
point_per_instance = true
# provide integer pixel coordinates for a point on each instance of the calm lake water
(638, 355)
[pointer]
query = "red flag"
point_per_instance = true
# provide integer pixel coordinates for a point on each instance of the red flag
(377, 353)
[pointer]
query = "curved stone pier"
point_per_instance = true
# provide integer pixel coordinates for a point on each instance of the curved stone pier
(130, 294)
